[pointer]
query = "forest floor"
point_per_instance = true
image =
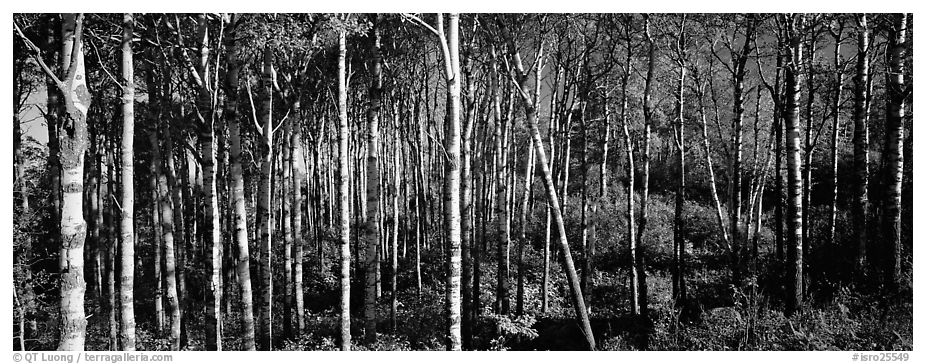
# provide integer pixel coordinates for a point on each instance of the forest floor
(719, 315)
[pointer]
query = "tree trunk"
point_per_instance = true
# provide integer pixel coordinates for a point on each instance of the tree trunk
(212, 239)
(525, 202)
(127, 254)
(639, 259)
(531, 113)
(834, 134)
(809, 146)
(893, 145)
(452, 185)
(394, 196)
(55, 107)
(679, 292)
(794, 291)
(371, 227)
(73, 142)
(632, 245)
(264, 214)
(583, 224)
(860, 204)
(344, 192)
(166, 229)
(466, 202)
(545, 285)
(158, 248)
(286, 225)
(109, 256)
(298, 175)
(239, 207)
(502, 302)
(739, 75)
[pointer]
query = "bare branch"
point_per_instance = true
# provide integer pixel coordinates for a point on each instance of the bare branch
(103, 66)
(445, 50)
(37, 55)
(247, 86)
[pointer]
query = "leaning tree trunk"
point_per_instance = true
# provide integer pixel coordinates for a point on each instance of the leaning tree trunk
(344, 192)
(127, 230)
(525, 202)
(893, 144)
(794, 280)
(531, 113)
(545, 282)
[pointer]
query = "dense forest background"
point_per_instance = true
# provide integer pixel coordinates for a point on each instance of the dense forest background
(462, 181)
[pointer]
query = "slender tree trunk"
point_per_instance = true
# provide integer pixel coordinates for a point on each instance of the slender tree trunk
(127, 254)
(466, 205)
(55, 107)
(531, 113)
(163, 203)
(583, 224)
(502, 302)
(264, 215)
(239, 207)
(394, 196)
(286, 225)
(779, 180)
(708, 160)
(639, 259)
(809, 146)
(545, 285)
(298, 174)
(679, 292)
(211, 234)
(481, 220)
(110, 253)
(630, 188)
(451, 194)
(525, 202)
(739, 75)
(893, 145)
(794, 292)
(344, 192)
(371, 227)
(158, 247)
(834, 135)
(860, 205)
